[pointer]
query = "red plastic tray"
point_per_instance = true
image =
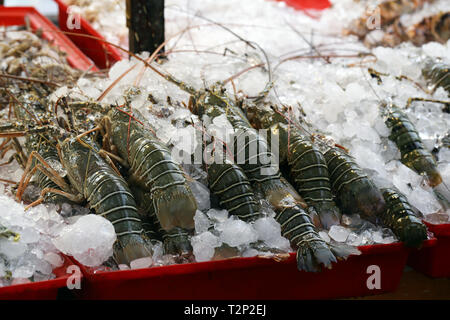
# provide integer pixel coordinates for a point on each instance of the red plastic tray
(42, 290)
(434, 261)
(250, 278)
(17, 16)
(103, 54)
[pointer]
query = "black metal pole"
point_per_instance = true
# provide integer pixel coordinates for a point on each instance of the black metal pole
(145, 21)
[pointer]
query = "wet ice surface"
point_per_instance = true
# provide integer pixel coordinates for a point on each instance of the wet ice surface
(33, 256)
(341, 101)
(89, 240)
(43, 237)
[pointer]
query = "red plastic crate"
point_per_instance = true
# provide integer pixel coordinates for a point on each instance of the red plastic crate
(250, 278)
(434, 261)
(17, 16)
(42, 290)
(103, 54)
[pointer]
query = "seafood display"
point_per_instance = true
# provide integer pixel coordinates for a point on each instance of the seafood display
(307, 164)
(236, 144)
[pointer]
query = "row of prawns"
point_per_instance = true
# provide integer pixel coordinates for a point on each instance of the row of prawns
(113, 162)
(326, 179)
(58, 144)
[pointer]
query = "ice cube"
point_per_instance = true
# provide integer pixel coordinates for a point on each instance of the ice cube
(141, 263)
(89, 240)
(354, 239)
(237, 233)
(123, 267)
(201, 221)
(29, 235)
(250, 252)
(54, 259)
(25, 271)
(217, 215)
(338, 233)
(12, 249)
(324, 236)
(424, 200)
(269, 231)
(204, 246)
(201, 194)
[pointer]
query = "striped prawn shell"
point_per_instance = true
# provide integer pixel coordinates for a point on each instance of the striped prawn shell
(288, 205)
(151, 167)
(437, 73)
(313, 252)
(106, 192)
(309, 171)
(355, 192)
(152, 227)
(296, 226)
(230, 184)
(413, 152)
(176, 240)
(257, 170)
(50, 155)
(400, 217)
(252, 153)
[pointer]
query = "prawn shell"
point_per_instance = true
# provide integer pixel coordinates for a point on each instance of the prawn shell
(413, 152)
(355, 192)
(108, 195)
(230, 184)
(400, 217)
(152, 168)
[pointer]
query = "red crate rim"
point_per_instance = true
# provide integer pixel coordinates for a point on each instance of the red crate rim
(224, 264)
(115, 53)
(15, 16)
(12, 16)
(439, 230)
(59, 282)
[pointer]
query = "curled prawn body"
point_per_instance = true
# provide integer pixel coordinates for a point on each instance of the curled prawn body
(306, 162)
(152, 168)
(413, 153)
(355, 192)
(176, 240)
(400, 217)
(246, 140)
(296, 224)
(230, 184)
(108, 194)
